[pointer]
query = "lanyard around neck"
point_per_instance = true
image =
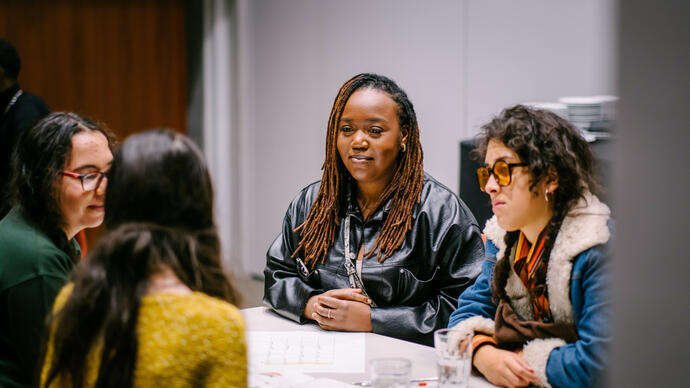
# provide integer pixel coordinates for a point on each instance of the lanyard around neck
(355, 280)
(13, 100)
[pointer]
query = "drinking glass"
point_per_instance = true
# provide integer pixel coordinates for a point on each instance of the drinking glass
(389, 372)
(453, 357)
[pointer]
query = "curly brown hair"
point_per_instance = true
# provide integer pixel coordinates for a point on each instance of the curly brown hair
(545, 142)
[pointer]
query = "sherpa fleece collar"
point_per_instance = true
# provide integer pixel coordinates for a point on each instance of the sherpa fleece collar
(585, 226)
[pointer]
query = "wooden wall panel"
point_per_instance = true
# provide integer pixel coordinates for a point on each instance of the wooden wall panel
(119, 62)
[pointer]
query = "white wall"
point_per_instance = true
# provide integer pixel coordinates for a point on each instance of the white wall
(458, 61)
(300, 54)
(536, 50)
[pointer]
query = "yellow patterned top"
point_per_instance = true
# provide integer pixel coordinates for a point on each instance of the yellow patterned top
(190, 340)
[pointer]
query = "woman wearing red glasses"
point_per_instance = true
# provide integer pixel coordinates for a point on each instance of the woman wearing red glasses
(540, 308)
(58, 190)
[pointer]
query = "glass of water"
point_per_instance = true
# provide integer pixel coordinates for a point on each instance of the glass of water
(453, 357)
(389, 372)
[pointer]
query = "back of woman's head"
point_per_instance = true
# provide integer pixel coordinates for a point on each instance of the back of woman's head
(159, 177)
(159, 212)
(159, 180)
(37, 163)
(544, 141)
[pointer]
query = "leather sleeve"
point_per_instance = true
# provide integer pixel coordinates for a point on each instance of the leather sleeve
(285, 290)
(477, 300)
(459, 252)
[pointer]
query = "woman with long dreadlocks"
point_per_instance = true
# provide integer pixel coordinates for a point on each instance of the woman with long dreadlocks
(539, 309)
(376, 245)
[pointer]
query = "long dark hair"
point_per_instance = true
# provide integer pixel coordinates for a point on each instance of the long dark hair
(159, 212)
(37, 163)
(544, 141)
(318, 230)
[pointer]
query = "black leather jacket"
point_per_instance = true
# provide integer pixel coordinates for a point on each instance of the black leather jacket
(415, 289)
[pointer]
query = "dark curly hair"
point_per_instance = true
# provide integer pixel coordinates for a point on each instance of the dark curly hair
(37, 163)
(545, 142)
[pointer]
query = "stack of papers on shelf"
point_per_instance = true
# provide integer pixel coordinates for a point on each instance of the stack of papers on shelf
(593, 115)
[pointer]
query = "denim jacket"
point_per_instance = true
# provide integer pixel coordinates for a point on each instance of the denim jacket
(577, 279)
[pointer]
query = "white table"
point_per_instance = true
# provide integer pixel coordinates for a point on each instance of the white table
(376, 346)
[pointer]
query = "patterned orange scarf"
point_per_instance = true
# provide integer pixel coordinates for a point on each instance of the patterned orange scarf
(531, 269)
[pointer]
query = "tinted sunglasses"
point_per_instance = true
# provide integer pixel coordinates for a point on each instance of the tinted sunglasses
(501, 170)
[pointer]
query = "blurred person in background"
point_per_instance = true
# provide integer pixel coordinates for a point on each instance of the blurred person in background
(540, 309)
(151, 305)
(58, 188)
(19, 110)
(377, 245)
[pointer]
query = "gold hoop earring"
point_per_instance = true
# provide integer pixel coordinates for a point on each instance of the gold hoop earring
(403, 147)
(546, 195)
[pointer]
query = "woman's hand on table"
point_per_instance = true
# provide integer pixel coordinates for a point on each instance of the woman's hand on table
(344, 309)
(503, 368)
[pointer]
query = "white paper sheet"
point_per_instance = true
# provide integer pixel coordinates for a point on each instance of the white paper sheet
(306, 352)
(292, 380)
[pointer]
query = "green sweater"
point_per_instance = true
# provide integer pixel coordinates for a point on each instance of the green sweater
(32, 272)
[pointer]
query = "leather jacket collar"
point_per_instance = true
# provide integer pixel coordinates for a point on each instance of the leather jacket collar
(351, 207)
